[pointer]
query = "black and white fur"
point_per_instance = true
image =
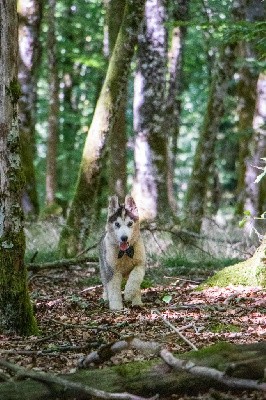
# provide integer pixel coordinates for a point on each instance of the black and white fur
(122, 254)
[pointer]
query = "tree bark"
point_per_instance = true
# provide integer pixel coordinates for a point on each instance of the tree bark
(174, 90)
(15, 308)
(251, 143)
(255, 192)
(52, 140)
(150, 154)
(204, 156)
(117, 168)
(80, 217)
(30, 13)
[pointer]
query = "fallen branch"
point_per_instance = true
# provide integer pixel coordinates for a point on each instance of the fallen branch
(212, 373)
(105, 352)
(78, 388)
(168, 323)
(64, 263)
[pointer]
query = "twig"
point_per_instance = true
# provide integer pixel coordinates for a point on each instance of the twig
(167, 323)
(65, 263)
(45, 352)
(189, 366)
(52, 380)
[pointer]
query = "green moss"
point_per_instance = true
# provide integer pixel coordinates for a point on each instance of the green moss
(14, 90)
(243, 273)
(220, 327)
(215, 356)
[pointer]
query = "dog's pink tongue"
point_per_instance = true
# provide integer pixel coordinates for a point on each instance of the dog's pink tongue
(123, 246)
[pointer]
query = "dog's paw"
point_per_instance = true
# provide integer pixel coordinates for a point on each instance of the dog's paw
(116, 306)
(137, 303)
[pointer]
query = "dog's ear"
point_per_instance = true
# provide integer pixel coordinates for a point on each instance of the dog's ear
(130, 205)
(113, 205)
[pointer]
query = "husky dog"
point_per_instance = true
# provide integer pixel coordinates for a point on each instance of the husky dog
(122, 254)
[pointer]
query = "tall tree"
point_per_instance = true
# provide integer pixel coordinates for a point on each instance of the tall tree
(80, 217)
(117, 174)
(180, 14)
(150, 155)
(255, 192)
(15, 308)
(246, 97)
(251, 95)
(52, 140)
(29, 12)
(204, 156)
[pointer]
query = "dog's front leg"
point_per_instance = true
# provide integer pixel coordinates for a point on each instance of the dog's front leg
(114, 292)
(132, 289)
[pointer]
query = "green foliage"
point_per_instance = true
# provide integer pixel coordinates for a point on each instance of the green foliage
(81, 66)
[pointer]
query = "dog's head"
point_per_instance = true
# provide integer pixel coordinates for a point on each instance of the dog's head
(123, 221)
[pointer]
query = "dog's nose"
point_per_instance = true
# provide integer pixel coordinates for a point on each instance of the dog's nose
(124, 238)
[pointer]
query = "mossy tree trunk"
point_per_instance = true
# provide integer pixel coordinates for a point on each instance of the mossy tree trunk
(30, 13)
(150, 153)
(117, 168)
(239, 363)
(52, 139)
(80, 217)
(251, 272)
(204, 156)
(15, 308)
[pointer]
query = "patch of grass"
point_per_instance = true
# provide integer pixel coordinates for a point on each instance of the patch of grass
(221, 328)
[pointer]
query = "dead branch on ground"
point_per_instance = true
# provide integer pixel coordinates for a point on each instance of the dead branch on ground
(78, 388)
(107, 351)
(212, 373)
(64, 263)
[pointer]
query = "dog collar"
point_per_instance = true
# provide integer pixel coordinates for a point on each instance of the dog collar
(129, 252)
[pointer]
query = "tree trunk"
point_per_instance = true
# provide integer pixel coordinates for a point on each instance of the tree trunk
(15, 308)
(29, 54)
(255, 192)
(51, 174)
(150, 155)
(117, 168)
(240, 363)
(250, 145)
(246, 94)
(80, 216)
(204, 156)
(174, 90)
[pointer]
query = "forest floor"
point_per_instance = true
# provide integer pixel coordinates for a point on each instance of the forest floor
(73, 320)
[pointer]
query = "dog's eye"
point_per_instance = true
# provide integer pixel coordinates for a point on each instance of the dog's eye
(130, 223)
(117, 225)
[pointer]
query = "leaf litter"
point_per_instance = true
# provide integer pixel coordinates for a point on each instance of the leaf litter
(73, 321)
